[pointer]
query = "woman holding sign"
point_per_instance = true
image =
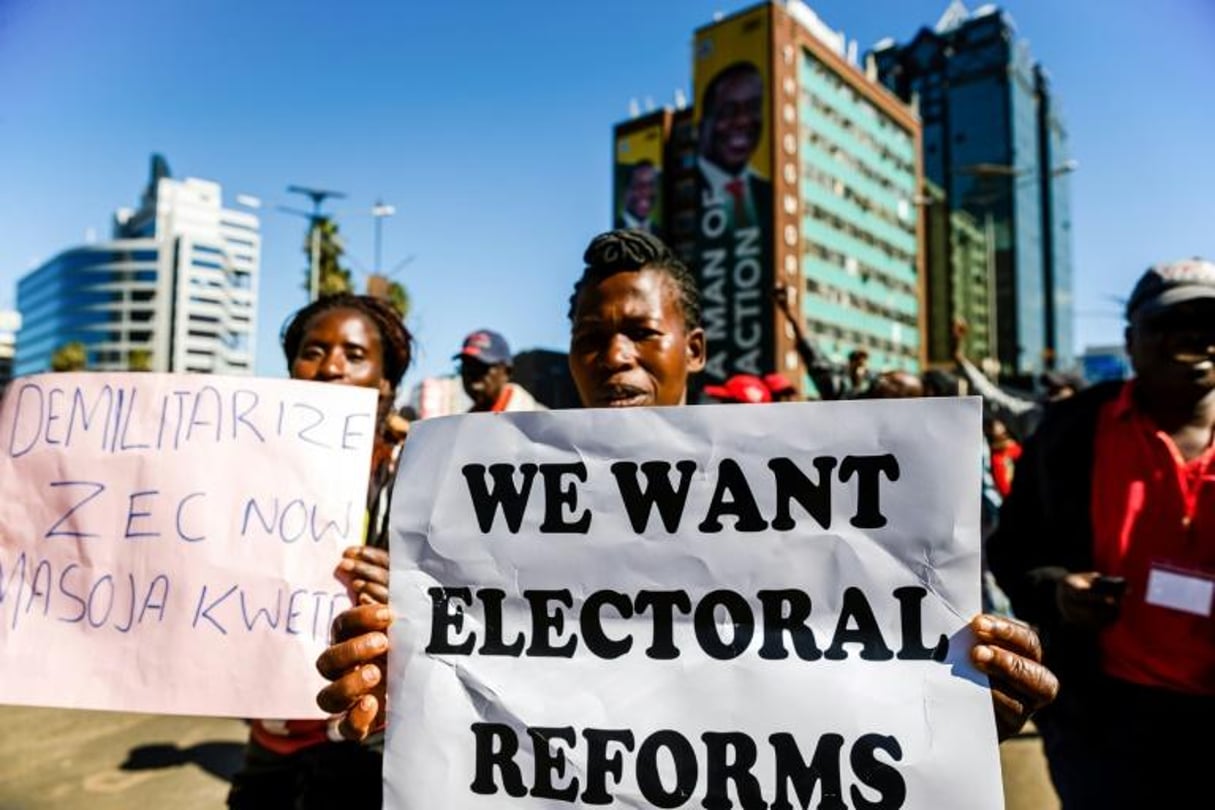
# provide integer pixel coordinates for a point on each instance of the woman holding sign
(635, 338)
(349, 340)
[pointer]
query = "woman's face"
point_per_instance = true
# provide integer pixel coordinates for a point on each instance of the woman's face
(341, 346)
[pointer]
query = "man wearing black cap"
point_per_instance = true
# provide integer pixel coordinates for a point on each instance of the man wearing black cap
(1107, 544)
(485, 369)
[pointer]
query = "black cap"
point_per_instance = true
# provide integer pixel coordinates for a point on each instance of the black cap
(1166, 285)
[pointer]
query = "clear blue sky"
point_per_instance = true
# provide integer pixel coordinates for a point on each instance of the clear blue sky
(488, 126)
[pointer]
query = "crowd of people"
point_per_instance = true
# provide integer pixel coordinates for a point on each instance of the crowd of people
(635, 340)
(1099, 531)
(1099, 536)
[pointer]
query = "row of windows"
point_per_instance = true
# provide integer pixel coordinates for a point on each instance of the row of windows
(841, 189)
(853, 267)
(863, 104)
(849, 300)
(861, 235)
(855, 133)
(818, 141)
(852, 337)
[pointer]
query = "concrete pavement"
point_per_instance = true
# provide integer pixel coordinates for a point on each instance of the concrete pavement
(53, 759)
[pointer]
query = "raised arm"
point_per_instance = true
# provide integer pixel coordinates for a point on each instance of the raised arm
(827, 376)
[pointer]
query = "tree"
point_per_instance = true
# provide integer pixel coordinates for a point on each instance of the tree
(399, 298)
(72, 356)
(334, 278)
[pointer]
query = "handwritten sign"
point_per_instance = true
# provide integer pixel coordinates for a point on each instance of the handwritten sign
(687, 607)
(168, 542)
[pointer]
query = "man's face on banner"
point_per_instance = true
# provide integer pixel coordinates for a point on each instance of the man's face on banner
(732, 128)
(629, 343)
(643, 185)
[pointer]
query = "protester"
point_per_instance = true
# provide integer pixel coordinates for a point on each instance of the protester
(1005, 450)
(486, 366)
(635, 338)
(349, 340)
(1020, 414)
(1107, 544)
(740, 388)
(833, 380)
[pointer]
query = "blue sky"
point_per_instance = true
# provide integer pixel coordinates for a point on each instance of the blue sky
(488, 126)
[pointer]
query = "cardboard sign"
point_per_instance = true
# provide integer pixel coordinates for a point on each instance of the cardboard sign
(168, 542)
(701, 606)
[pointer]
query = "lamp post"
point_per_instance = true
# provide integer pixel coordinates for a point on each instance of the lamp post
(318, 197)
(379, 211)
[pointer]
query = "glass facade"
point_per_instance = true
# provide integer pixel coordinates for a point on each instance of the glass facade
(858, 184)
(87, 295)
(982, 106)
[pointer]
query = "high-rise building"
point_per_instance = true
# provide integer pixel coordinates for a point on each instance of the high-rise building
(175, 289)
(959, 278)
(994, 140)
(793, 169)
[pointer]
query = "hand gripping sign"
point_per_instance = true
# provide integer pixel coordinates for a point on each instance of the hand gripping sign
(168, 542)
(761, 606)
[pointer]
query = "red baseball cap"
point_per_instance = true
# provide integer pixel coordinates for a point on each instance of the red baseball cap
(745, 388)
(779, 384)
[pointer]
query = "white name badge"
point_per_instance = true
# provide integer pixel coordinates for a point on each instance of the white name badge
(1180, 590)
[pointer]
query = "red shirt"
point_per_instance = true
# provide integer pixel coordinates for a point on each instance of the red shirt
(1151, 507)
(1003, 462)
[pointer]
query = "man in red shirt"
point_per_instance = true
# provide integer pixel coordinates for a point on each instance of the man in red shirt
(1107, 544)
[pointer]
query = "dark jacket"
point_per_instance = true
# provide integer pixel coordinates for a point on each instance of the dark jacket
(1046, 530)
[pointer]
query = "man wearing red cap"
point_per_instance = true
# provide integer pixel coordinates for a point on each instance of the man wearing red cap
(741, 388)
(485, 368)
(779, 386)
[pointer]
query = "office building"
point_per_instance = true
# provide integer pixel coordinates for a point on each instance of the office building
(994, 140)
(792, 168)
(175, 289)
(959, 279)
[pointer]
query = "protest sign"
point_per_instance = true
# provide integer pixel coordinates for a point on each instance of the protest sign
(701, 606)
(168, 542)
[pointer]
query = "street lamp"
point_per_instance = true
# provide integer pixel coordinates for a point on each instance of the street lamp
(379, 211)
(318, 197)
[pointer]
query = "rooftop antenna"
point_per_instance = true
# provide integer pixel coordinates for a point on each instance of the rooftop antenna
(318, 197)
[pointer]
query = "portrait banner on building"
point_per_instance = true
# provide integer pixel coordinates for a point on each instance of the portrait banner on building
(168, 541)
(686, 607)
(637, 177)
(734, 254)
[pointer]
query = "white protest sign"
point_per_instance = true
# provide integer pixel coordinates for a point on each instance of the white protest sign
(168, 542)
(700, 606)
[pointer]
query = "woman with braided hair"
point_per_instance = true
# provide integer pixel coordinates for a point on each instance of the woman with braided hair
(349, 340)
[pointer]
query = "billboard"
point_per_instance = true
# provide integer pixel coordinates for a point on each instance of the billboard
(734, 255)
(637, 176)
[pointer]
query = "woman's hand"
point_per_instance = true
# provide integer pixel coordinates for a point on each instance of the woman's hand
(364, 571)
(1009, 653)
(356, 663)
